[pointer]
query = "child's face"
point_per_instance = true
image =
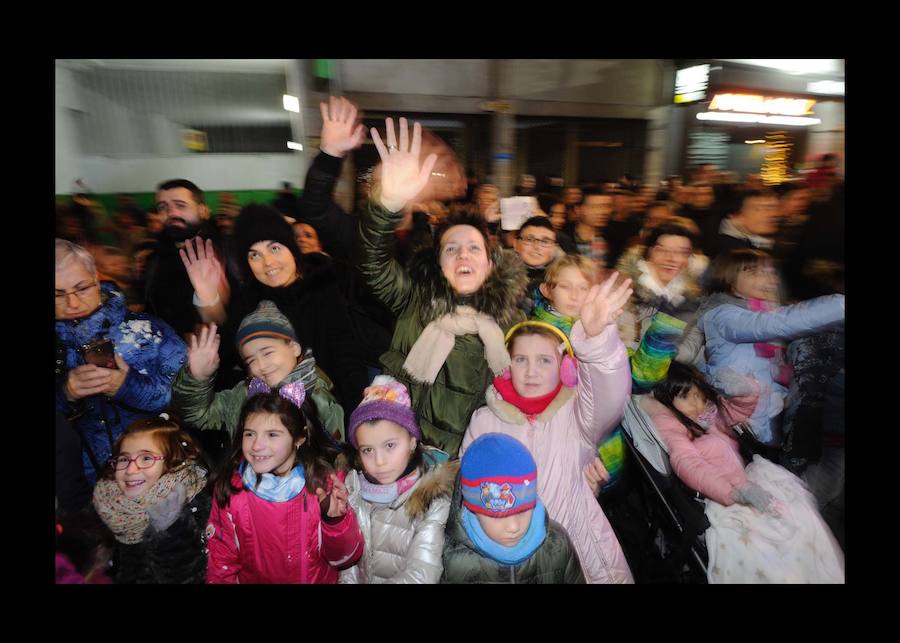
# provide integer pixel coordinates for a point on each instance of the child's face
(758, 282)
(569, 293)
(134, 481)
(506, 531)
(385, 448)
(267, 444)
(270, 359)
(535, 365)
(691, 403)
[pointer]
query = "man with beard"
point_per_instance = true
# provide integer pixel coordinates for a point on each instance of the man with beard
(169, 293)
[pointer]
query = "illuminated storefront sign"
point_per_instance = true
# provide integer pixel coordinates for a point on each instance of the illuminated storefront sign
(761, 104)
(691, 83)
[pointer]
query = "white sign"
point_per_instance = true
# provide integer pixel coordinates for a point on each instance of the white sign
(515, 210)
(691, 83)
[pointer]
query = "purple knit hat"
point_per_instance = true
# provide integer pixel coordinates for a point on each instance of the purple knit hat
(384, 399)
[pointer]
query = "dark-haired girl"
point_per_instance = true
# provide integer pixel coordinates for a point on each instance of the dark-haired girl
(764, 524)
(153, 496)
(280, 513)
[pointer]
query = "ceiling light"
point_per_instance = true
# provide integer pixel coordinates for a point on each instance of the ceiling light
(758, 118)
(295, 146)
(291, 103)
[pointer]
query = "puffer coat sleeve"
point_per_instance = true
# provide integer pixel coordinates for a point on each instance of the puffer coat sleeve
(200, 406)
(151, 390)
(384, 274)
(741, 326)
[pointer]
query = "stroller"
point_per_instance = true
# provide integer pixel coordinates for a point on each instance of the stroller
(673, 514)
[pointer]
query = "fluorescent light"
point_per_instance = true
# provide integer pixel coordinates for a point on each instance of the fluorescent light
(793, 65)
(291, 103)
(295, 146)
(758, 118)
(759, 140)
(833, 87)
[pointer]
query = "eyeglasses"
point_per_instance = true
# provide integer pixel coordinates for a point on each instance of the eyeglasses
(142, 460)
(537, 241)
(82, 293)
(675, 252)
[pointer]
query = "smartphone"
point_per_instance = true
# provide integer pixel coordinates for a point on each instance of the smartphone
(101, 353)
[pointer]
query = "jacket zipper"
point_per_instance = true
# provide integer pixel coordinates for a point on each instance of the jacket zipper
(302, 552)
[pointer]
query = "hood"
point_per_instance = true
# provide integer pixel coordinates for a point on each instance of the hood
(498, 297)
(436, 482)
(647, 290)
(510, 414)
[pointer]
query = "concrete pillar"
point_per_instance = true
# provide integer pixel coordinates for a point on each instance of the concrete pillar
(655, 154)
(503, 148)
(294, 82)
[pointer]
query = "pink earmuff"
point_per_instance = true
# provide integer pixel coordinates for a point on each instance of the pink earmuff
(568, 371)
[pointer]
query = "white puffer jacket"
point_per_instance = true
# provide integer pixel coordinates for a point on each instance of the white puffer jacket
(405, 539)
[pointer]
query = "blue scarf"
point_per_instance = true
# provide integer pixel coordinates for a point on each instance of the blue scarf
(274, 488)
(518, 553)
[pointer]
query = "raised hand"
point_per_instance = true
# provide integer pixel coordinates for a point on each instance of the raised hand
(203, 268)
(203, 353)
(334, 502)
(340, 132)
(401, 177)
(602, 307)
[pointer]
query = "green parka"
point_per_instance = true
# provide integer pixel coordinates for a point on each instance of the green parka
(198, 405)
(419, 295)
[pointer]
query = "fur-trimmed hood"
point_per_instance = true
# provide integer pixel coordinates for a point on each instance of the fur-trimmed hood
(512, 415)
(437, 481)
(498, 297)
(684, 288)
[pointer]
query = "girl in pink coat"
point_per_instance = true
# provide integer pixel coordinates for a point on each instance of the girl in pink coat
(560, 408)
(280, 512)
(764, 524)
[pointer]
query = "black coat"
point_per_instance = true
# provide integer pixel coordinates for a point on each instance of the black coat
(176, 556)
(321, 317)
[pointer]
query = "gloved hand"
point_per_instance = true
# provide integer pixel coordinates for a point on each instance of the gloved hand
(166, 511)
(755, 496)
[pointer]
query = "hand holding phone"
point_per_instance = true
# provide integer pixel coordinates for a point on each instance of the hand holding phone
(100, 353)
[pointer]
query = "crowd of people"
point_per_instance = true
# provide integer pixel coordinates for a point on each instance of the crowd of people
(431, 387)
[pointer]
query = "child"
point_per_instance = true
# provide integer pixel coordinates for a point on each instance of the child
(83, 548)
(153, 498)
(765, 527)
(401, 496)
(742, 322)
(561, 425)
(266, 525)
(566, 285)
(500, 532)
(275, 360)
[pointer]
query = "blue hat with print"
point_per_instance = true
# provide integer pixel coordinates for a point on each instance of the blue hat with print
(498, 476)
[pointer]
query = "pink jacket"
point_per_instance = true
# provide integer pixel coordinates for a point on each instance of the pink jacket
(253, 540)
(563, 439)
(711, 463)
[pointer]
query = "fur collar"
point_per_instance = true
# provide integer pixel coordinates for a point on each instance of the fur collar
(436, 482)
(498, 297)
(511, 415)
(647, 288)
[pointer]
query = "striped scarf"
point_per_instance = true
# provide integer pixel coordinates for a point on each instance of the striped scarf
(659, 345)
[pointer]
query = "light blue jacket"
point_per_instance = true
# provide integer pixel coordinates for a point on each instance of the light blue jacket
(731, 331)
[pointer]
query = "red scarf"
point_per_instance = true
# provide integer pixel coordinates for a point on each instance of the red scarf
(530, 406)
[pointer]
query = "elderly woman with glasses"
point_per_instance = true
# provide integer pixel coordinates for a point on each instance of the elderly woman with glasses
(664, 271)
(113, 366)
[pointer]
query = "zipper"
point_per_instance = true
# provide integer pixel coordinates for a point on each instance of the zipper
(302, 552)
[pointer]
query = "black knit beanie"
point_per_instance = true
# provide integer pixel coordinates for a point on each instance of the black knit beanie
(257, 223)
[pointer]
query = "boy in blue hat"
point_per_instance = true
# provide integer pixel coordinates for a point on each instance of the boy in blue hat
(498, 530)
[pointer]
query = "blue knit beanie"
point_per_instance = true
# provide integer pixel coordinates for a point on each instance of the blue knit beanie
(265, 321)
(498, 476)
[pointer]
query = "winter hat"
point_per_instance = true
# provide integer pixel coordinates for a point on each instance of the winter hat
(265, 321)
(498, 476)
(385, 399)
(258, 223)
